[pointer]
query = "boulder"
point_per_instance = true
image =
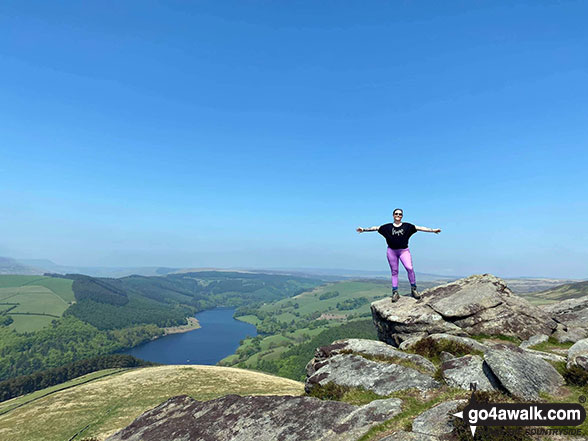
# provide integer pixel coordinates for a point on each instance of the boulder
(407, 318)
(534, 340)
(462, 372)
(438, 420)
(479, 304)
(578, 354)
(260, 418)
(446, 356)
(466, 341)
(522, 374)
(569, 335)
(572, 314)
(357, 372)
(371, 349)
(548, 356)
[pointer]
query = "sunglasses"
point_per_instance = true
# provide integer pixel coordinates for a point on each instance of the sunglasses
(397, 214)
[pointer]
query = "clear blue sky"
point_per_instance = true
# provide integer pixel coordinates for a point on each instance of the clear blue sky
(262, 133)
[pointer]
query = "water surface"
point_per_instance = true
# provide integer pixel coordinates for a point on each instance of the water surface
(218, 337)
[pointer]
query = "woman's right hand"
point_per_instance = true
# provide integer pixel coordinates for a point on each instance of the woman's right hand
(359, 230)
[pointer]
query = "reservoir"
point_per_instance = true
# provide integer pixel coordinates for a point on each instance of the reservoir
(218, 336)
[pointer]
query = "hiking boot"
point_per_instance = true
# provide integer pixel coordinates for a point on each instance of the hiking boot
(395, 296)
(415, 293)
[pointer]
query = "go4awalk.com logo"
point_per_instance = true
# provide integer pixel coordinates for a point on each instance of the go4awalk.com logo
(478, 413)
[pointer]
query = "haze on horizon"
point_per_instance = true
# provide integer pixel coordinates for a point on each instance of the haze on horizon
(261, 134)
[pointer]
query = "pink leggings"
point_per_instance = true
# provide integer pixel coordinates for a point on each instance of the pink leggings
(406, 259)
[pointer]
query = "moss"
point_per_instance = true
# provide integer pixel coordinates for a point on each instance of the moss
(360, 396)
(484, 337)
(431, 349)
(390, 360)
(414, 403)
(438, 375)
(351, 395)
(560, 366)
(551, 344)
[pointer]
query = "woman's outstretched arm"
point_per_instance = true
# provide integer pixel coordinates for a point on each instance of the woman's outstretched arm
(363, 230)
(428, 230)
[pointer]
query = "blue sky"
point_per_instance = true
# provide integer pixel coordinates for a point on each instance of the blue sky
(261, 134)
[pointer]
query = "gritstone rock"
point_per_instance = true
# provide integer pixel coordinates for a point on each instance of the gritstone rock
(438, 420)
(479, 304)
(578, 354)
(379, 377)
(463, 371)
(259, 418)
(545, 355)
(522, 374)
(534, 340)
(572, 314)
(373, 349)
(465, 341)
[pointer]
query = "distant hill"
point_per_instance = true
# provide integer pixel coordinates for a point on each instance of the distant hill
(12, 266)
(566, 291)
(557, 293)
(98, 404)
(524, 285)
(47, 266)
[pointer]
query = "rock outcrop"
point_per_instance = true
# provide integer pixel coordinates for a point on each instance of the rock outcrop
(534, 340)
(370, 349)
(354, 371)
(480, 304)
(470, 369)
(522, 374)
(259, 418)
(578, 354)
(463, 341)
(572, 317)
(438, 420)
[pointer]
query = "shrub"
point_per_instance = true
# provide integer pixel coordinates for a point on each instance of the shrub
(576, 376)
(431, 348)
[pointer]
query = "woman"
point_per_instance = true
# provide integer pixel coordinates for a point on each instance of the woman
(397, 235)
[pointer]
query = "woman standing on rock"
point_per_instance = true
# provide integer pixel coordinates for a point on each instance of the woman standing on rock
(397, 235)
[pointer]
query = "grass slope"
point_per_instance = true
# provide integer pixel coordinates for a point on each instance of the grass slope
(558, 293)
(104, 405)
(34, 301)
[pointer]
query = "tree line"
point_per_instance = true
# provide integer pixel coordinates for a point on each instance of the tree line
(25, 384)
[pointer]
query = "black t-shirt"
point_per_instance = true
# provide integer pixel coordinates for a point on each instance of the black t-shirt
(397, 237)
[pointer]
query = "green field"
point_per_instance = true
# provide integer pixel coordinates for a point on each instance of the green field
(34, 301)
(101, 403)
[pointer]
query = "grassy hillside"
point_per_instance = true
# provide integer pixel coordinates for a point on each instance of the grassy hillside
(32, 302)
(559, 293)
(289, 322)
(110, 400)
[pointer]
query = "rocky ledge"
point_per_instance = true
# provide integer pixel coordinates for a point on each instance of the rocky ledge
(259, 418)
(480, 304)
